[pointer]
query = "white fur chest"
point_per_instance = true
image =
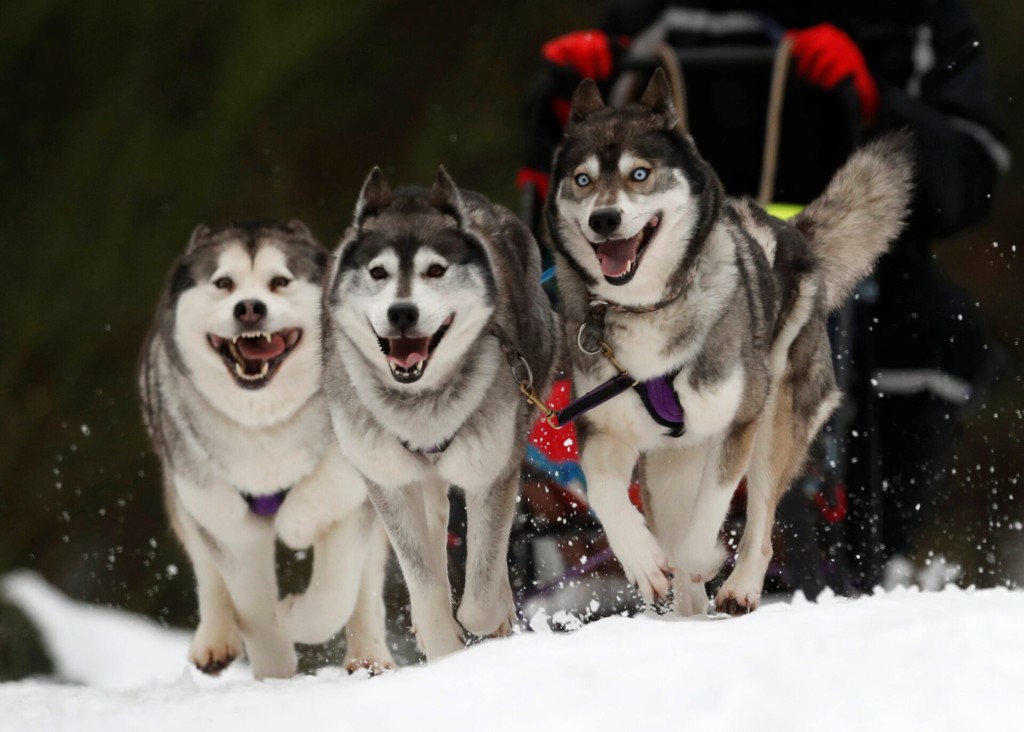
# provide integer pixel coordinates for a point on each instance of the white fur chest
(262, 460)
(708, 410)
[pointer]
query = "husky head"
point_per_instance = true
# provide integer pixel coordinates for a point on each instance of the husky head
(631, 199)
(412, 285)
(242, 313)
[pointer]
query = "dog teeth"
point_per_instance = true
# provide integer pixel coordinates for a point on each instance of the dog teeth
(253, 335)
(264, 370)
(415, 370)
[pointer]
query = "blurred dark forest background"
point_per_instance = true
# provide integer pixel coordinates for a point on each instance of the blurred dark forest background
(123, 125)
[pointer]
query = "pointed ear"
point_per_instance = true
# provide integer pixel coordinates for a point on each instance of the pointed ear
(375, 196)
(198, 235)
(445, 195)
(658, 97)
(585, 101)
(301, 229)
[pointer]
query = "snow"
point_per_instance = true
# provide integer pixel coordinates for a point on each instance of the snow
(898, 660)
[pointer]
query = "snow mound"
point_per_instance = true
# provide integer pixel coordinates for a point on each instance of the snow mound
(900, 660)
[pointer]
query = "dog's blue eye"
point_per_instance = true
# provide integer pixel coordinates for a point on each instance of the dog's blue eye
(582, 180)
(640, 174)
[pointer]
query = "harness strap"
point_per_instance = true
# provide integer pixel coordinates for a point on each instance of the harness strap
(662, 403)
(595, 397)
(658, 397)
(522, 373)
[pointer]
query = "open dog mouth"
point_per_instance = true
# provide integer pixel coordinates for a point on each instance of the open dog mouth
(254, 357)
(408, 355)
(619, 258)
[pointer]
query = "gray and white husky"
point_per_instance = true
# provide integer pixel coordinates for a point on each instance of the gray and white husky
(230, 384)
(431, 292)
(717, 313)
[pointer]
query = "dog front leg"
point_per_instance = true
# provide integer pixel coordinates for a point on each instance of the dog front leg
(608, 465)
(412, 518)
(217, 641)
(339, 553)
(487, 606)
(366, 631)
(700, 553)
(247, 564)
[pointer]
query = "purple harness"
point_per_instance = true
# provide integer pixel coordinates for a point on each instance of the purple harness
(662, 403)
(657, 395)
(268, 505)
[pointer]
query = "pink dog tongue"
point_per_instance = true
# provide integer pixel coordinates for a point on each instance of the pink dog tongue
(616, 255)
(260, 349)
(407, 352)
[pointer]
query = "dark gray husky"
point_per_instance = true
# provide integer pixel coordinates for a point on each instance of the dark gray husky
(433, 294)
(230, 383)
(714, 314)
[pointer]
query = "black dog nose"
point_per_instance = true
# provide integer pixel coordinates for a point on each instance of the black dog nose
(403, 315)
(250, 312)
(605, 220)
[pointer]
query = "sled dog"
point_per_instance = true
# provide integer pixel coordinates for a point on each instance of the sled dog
(432, 296)
(230, 384)
(717, 312)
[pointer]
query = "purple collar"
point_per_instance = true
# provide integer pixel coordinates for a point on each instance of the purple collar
(267, 505)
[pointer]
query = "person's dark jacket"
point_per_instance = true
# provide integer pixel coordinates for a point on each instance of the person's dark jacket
(928, 61)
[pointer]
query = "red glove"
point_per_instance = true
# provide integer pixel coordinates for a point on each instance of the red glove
(825, 56)
(589, 53)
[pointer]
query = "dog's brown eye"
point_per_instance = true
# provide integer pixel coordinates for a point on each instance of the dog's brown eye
(436, 270)
(278, 282)
(378, 273)
(224, 283)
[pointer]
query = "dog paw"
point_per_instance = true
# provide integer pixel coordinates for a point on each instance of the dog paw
(439, 642)
(488, 619)
(734, 602)
(305, 620)
(690, 598)
(275, 660)
(375, 664)
(647, 568)
(214, 648)
(741, 592)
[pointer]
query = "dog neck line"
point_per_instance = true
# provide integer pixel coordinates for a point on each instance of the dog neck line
(673, 295)
(432, 450)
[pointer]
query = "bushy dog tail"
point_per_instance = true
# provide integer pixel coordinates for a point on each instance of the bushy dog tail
(860, 213)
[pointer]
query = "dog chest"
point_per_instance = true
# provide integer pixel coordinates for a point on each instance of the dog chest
(264, 460)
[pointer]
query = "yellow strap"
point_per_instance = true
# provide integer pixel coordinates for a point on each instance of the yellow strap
(784, 211)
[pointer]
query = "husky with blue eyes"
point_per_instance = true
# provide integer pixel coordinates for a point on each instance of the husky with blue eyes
(713, 314)
(433, 315)
(230, 385)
